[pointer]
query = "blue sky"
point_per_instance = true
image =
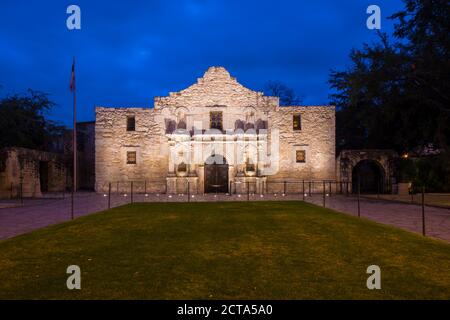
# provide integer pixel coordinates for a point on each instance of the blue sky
(130, 51)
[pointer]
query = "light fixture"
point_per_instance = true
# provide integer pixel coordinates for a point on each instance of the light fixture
(146, 194)
(124, 194)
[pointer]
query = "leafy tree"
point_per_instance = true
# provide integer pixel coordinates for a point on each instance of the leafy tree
(395, 95)
(286, 94)
(23, 122)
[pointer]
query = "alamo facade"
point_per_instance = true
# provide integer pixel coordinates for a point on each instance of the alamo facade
(214, 136)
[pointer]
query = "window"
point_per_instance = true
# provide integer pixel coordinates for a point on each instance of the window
(249, 166)
(182, 167)
(131, 157)
(215, 120)
(296, 122)
(131, 123)
(300, 156)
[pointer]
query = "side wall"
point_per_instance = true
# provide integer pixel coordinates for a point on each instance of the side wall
(316, 138)
(20, 171)
(112, 141)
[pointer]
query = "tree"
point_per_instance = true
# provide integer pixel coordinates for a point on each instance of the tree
(278, 89)
(23, 122)
(395, 95)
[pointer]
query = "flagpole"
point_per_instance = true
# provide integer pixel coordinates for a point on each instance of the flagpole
(74, 142)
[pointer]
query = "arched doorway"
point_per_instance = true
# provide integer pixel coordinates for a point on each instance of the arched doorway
(370, 175)
(216, 174)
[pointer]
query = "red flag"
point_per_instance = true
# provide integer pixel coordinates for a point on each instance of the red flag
(72, 78)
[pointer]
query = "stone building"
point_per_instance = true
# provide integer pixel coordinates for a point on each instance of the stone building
(214, 136)
(374, 170)
(85, 155)
(30, 172)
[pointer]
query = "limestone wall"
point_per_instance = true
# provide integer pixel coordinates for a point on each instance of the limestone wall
(112, 141)
(216, 88)
(316, 137)
(20, 168)
(189, 110)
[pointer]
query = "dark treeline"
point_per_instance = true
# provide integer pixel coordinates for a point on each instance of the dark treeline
(23, 122)
(396, 92)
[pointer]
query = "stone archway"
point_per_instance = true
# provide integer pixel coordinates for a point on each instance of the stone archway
(216, 174)
(371, 165)
(368, 175)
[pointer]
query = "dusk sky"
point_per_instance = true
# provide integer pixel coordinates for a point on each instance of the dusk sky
(127, 53)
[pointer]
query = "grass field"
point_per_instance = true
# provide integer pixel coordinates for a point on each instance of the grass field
(255, 250)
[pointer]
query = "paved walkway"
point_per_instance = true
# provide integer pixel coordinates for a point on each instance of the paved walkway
(402, 215)
(39, 213)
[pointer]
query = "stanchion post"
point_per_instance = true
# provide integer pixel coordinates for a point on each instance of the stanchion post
(284, 187)
(188, 192)
(359, 196)
(378, 189)
(248, 190)
(109, 195)
(324, 193)
(131, 192)
(21, 192)
(303, 190)
(72, 204)
(423, 210)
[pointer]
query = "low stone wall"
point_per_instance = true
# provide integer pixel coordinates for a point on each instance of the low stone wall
(21, 170)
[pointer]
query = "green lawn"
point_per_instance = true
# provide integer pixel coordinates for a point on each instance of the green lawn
(254, 250)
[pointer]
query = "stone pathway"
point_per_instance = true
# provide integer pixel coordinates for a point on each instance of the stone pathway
(39, 213)
(402, 215)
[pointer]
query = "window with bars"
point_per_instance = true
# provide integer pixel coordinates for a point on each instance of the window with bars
(300, 156)
(296, 122)
(131, 157)
(215, 120)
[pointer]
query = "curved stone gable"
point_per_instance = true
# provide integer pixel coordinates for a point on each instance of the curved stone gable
(217, 88)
